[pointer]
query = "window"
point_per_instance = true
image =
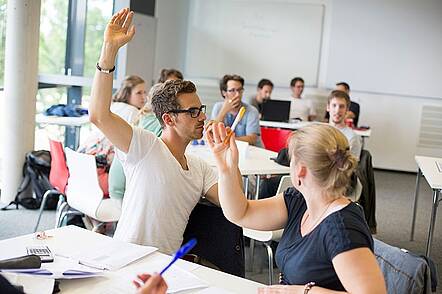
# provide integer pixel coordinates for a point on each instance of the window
(98, 14)
(53, 27)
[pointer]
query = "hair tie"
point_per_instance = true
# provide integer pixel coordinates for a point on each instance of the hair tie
(339, 157)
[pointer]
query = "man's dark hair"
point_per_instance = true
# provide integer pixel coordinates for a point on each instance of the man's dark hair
(339, 95)
(166, 73)
(265, 82)
(344, 84)
(294, 80)
(226, 78)
(164, 99)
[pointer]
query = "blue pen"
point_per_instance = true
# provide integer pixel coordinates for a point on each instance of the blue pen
(180, 253)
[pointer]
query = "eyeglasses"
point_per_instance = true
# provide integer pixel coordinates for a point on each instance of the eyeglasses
(231, 91)
(193, 111)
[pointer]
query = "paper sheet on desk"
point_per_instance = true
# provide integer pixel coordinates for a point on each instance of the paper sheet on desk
(66, 274)
(110, 255)
(176, 278)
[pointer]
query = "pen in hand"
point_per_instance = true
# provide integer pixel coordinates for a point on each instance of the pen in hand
(238, 117)
(180, 253)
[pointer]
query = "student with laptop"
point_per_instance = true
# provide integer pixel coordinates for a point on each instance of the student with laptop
(263, 93)
(248, 129)
(300, 108)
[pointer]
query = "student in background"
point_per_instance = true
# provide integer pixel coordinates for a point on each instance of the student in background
(354, 109)
(326, 245)
(338, 104)
(263, 93)
(147, 120)
(169, 74)
(248, 129)
(126, 103)
(163, 184)
(300, 108)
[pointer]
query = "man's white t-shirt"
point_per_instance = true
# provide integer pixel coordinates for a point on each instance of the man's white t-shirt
(301, 108)
(160, 194)
(125, 111)
(354, 141)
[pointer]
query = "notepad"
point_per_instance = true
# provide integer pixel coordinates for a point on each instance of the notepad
(439, 166)
(109, 255)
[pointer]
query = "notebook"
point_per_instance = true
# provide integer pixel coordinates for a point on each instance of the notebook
(276, 110)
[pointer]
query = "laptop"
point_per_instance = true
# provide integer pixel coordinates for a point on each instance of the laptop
(276, 110)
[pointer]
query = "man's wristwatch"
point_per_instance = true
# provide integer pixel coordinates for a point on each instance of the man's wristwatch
(107, 71)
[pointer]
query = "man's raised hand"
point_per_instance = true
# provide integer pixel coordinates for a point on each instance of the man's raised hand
(119, 30)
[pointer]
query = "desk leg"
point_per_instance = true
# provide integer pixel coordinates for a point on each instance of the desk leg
(416, 194)
(252, 242)
(432, 221)
(258, 182)
(246, 186)
(72, 137)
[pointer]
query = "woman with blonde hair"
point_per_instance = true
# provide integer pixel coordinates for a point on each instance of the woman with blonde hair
(326, 245)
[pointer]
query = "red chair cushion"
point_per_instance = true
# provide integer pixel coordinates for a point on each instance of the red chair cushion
(59, 174)
(274, 138)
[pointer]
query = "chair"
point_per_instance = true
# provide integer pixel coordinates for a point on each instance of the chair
(274, 139)
(266, 237)
(404, 272)
(58, 176)
(219, 241)
(367, 199)
(83, 191)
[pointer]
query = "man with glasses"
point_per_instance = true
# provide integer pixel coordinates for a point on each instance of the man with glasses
(163, 185)
(232, 88)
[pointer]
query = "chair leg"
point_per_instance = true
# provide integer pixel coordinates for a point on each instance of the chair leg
(42, 206)
(58, 218)
(252, 252)
(270, 255)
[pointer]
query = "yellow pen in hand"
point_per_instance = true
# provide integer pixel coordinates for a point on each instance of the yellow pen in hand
(240, 115)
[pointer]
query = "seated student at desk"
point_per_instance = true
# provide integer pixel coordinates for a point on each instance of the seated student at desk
(163, 184)
(232, 88)
(354, 109)
(126, 103)
(169, 74)
(300, 108)
(147, 120)
(263, 93)
(338, 104)
(326, 245)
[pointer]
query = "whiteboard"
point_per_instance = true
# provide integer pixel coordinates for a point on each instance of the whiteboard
(387, 46)
(256, 39)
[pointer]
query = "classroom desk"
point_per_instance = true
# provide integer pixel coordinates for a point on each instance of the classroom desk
(257, 162)
(427, 167)
(71, 122)
(74, 238)
(297, 125)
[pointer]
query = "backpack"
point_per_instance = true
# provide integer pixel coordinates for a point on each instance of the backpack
(35, 181)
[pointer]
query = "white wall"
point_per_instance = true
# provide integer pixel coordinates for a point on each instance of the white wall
(395, 120)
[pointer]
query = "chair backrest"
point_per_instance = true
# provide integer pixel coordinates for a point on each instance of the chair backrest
(274, 139)
(83, 190)
(286, 181)
(403, 272)
(219, 241)
(59, 174)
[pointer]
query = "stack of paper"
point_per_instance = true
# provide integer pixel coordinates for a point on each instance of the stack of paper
(110, 255)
